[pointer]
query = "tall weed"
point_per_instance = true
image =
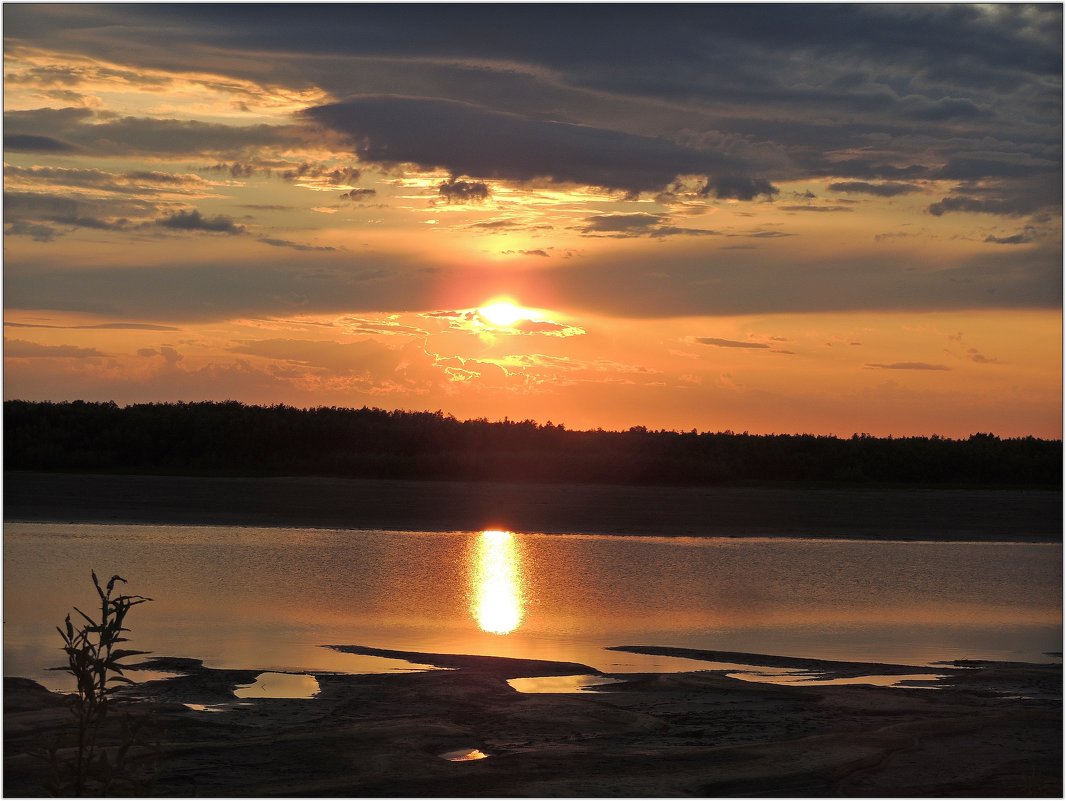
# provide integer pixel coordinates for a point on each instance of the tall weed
(94, 659)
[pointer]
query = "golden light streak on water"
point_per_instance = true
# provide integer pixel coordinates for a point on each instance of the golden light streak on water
(497, 588)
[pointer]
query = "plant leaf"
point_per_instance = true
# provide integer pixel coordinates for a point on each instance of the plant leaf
(122, 653)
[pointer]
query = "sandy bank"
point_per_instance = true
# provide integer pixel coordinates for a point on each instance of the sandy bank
(654, 735)
(1003, 515)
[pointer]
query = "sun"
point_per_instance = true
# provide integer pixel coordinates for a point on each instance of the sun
(502, 313)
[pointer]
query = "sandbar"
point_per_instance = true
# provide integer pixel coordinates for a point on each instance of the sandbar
(701, 733)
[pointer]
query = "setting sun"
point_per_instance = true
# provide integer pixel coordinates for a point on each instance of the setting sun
(502, 313)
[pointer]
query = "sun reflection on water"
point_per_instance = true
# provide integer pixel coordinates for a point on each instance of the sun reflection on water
(497, 589)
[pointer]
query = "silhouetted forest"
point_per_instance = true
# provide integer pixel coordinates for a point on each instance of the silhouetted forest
(234, 439)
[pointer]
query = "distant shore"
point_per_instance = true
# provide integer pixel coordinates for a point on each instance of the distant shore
(929, 514)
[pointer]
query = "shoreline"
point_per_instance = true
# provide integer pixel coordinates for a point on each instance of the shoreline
(698, 734)
(998, 515)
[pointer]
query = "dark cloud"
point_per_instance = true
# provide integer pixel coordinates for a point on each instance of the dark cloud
(865, 169)
(496, 225)
(455, 191)
(828, 209)
(235, 169)
(718, 91)
(1007, 207)
(734, 282)
(165, 178)
(99, 326)
(176, 292)
(655, 44)
(880, 190)
(675, 284)
(672, 230)
(359, 194)
(737, 187)
(729, 343)
(485, 144)
(36, 231)
(1004, 185)
(30, 121)
(132, 182)
(947, 108)
(974, 355)
(36, 143)
(637, 224)
(37, 214)
(285, 243)
(125, 136)
(766, 234)
(194, 221)
(792, 91)
(21, 349)
(169, 355)
(1021, 238)
(339, 176)
(908, 366)
(887, 235)
(970, 168)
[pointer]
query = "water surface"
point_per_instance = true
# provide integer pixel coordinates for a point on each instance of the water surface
(268, 598)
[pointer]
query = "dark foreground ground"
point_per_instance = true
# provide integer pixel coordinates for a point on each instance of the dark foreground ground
(993, 730)
(451, 506)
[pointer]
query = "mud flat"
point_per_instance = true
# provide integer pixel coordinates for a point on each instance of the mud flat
(992, 730)
(999, 515)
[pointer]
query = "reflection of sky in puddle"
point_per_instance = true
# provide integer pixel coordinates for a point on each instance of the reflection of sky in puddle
(559, 684)
(62, 682)
(207, 707)
(463, 755)
(224, 707)
(921, 681)
(279, 685)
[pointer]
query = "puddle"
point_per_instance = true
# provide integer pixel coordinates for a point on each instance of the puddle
(206, 707)
(63, 682)
(921, 681)
(141, 676)
(223, 707)
(559, 684)
(279, 685)
(463, 755)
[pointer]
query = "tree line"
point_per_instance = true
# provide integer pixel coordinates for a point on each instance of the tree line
(232, 438)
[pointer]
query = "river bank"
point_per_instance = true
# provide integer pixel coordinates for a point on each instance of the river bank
(995, 730)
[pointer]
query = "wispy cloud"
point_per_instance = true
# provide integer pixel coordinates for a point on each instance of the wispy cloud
(908, 366)
(729, 343)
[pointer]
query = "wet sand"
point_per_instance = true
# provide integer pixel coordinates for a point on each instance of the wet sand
(996, 731)
(1001, 515)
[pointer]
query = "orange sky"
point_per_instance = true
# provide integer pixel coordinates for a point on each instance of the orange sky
(809, 235)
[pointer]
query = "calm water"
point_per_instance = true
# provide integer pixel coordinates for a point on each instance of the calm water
(268, 598)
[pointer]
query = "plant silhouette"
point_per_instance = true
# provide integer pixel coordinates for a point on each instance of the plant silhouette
(93, 659)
